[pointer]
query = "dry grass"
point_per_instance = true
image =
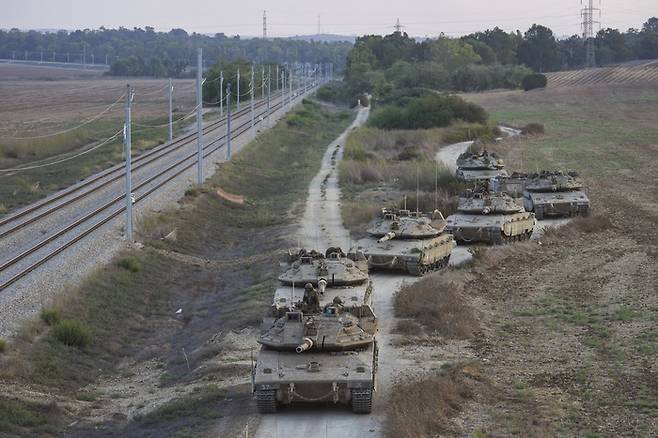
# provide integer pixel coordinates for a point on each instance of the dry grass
(357, 214)
(440, 305)
(423, 406)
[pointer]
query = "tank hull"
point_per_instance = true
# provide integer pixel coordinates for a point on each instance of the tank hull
(284, 378)
(492, 229)
(414, 256)
(479, 175)
(557, 204)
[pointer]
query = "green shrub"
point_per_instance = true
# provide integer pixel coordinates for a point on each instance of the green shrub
(50, 316)
(533, 81)
(130, 263)
(3, 346)
(429, 111)
(470, 131)
(72, 333)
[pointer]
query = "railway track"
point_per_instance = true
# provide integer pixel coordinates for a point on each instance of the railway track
(108, 210)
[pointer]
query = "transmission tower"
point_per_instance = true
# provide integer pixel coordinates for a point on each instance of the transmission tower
(264, 24)
(588, 30)
(398, 26)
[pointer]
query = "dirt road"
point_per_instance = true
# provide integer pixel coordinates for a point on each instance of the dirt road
(322, 227)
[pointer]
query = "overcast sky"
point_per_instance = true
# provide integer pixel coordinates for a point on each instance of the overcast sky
(350, 17)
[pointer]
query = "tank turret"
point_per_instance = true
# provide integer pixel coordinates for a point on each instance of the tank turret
(481, 161)
(555, 194)
(414, 242)
(490, 218)
(333, 268)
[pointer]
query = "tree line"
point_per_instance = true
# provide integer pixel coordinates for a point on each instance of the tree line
(147, 52)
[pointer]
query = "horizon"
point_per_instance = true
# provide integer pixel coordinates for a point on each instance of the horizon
(452, 17)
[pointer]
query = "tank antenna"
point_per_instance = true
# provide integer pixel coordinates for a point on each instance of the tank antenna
(417, 186)
(436, 185)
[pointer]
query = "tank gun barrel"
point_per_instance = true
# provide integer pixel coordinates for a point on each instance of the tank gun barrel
(308, 343)
(387, 237)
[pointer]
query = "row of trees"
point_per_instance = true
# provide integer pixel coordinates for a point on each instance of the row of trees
(136, 47)
(483, 60)
(540, 50)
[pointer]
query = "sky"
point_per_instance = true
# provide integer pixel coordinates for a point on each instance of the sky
(346, 17)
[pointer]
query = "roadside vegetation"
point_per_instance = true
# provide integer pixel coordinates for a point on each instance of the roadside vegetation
(566, 338)
(173, 302)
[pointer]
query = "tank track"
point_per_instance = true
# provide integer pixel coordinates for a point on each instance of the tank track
(420, 270)
(266, 401)
(362, 401)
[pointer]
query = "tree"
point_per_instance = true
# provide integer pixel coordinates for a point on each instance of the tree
(453, 53)
(611, 47)
(539, 50)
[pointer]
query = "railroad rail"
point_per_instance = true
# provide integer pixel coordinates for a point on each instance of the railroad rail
(105, 213)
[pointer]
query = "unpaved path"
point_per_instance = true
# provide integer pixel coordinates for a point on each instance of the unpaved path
(322, 227)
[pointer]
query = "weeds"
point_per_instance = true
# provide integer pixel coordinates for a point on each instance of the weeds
(439, 305)
(422, 406)
(72, 333)
(130, 263)
(50, 316)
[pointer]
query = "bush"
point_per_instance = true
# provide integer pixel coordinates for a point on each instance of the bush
(72, 333)
(470, 131)
(3, 346)
(429, 111)
(130, 263)
(50, 316)
(532, 129)
(533, 81)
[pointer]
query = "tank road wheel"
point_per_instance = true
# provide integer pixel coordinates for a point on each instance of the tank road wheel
(414, 269)
(539, 213)
(362, 401)
(266, 401)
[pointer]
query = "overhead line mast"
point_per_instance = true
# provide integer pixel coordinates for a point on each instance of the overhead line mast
(588, 30)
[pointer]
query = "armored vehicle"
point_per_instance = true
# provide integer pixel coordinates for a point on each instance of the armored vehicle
(479, 167)
(409, 241)
(513, 185)
(490, 218)
(555, 194)
(319, 345)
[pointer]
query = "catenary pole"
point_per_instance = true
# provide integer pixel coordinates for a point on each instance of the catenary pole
(171, 110)
(238, 91)
(251, 86)
(221, 94)
(228, 121)
(199, 117)
(128, 149)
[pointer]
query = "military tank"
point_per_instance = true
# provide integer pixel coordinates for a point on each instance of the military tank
(408, 241)
(319, 345)
(479, 166)
(493, 218)
(513, 185)
(555, 194)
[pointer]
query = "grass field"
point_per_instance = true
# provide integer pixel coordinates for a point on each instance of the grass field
(220, 270)
(568, 335)
(34, 108)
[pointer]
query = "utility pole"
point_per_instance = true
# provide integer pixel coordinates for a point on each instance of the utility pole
(128, 150)
(41, 61)
(277, 77)
(106, 59)
(291, 79)
(228, 121)
(221, 94)
(251, 86)
(262, 85)
(269, 92)
(238, 92)
(199, 118)
(588, 31)
(171, 110)
(283, 88)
